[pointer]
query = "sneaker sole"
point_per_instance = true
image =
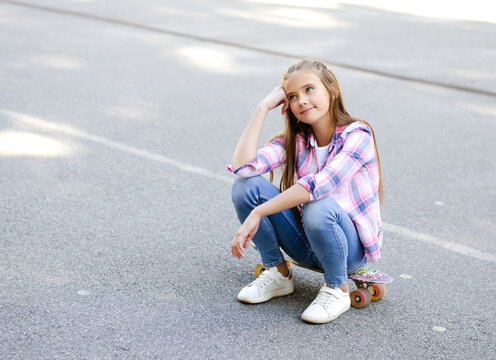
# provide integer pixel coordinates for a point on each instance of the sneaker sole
(267, 297)
(323, 321)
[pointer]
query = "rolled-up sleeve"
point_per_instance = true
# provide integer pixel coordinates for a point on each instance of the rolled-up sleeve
(357, 150)
(269, 157)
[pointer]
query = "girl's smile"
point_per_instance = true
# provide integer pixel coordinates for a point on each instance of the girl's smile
(306, 111)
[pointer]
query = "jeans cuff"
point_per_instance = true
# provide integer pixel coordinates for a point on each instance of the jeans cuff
(273, 263)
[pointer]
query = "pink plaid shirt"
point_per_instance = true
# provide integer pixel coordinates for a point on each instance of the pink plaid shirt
(350, 175)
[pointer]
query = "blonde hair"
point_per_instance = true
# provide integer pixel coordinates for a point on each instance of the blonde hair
(293, 126)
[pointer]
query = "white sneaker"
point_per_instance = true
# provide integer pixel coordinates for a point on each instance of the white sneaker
(271, 283)
(327, 306)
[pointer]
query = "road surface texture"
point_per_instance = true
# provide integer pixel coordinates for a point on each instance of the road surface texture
(117, 121)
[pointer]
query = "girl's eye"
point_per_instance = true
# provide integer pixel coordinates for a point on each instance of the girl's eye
(291, 97)
(309, 89)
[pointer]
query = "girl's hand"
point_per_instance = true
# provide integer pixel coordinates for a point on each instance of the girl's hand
(244, 235)
(276, 98)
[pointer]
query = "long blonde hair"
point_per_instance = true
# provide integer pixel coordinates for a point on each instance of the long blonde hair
(293, 126)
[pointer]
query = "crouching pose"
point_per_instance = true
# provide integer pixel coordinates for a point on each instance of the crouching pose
(325, 213)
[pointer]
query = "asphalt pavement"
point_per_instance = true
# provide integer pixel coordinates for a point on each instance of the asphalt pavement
(117, 121)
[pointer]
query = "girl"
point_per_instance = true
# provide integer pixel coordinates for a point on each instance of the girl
(331, 173)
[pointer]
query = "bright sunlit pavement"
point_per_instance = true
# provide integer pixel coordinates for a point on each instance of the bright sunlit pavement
(208, 59)
(474, 10)
(14, 143)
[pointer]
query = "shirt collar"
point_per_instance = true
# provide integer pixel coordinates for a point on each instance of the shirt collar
(312, 141)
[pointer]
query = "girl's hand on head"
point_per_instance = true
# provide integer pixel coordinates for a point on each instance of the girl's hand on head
(276, 98)
(244, 235)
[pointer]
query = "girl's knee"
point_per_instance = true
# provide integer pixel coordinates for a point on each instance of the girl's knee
(238, 189)
(242, 187)
(318, 212)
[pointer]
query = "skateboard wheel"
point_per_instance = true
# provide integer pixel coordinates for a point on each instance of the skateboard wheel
(380, 290)
(259, 269)
(360, 298)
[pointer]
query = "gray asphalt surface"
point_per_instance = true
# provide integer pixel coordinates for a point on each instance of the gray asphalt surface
(117, 120)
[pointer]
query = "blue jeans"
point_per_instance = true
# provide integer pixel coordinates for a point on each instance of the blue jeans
(329, 240)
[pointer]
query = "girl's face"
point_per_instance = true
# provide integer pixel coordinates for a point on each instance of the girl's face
(308, 98)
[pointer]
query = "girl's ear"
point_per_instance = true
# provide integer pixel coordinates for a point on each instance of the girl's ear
(334, 92)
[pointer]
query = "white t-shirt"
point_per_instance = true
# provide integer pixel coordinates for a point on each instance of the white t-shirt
(322, 154)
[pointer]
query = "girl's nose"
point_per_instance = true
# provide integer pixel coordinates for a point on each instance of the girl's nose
(303, 100)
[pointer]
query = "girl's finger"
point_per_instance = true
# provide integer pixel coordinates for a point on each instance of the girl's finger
(239, 255)
(240, 249)
(246, 243)
(237, 247)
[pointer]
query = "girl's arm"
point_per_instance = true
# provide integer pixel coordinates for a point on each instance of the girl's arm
(246, 150)
(295, 195)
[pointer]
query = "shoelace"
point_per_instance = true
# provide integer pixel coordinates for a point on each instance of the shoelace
(263, 279)
(325, 299)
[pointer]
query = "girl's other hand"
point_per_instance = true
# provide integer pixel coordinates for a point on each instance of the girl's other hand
(244, 235)
(276, 98)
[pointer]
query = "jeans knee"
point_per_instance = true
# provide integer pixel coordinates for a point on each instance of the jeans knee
(316, 213)
(242, 187)
(238, 190)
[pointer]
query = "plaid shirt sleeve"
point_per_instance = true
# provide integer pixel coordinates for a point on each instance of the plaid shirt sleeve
(269, 157)
(357, 150)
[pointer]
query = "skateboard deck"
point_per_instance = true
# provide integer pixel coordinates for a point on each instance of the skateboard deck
(370, 283)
